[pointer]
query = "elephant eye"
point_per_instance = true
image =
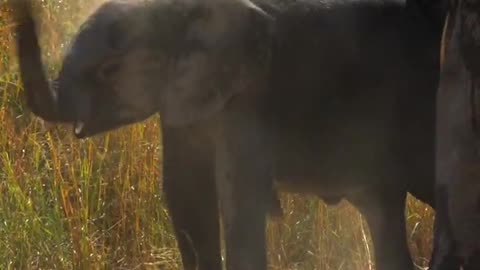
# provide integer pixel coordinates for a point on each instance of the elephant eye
(108, 70)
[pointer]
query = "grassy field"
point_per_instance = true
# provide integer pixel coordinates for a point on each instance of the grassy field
(98, 203)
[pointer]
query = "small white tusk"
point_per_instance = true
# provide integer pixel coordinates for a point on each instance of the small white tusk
(79, 127)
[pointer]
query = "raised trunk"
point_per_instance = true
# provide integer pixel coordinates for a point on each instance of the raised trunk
(40, 98)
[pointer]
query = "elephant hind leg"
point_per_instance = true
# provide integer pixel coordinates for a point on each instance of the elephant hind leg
(385, 214)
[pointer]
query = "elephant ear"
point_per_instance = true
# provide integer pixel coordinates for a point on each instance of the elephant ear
(226, 53)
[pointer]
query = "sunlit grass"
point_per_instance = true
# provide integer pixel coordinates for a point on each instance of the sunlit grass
(97, 203)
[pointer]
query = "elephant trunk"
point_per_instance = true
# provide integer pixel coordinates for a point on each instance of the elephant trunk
(40, 96)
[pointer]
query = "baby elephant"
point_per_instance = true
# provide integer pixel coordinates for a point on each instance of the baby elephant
(334, 98)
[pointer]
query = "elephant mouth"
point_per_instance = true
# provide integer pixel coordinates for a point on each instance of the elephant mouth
(83, 129)
(78, 128)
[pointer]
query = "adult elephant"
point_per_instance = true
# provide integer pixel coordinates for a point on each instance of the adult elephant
(331, 98)
(458, 140)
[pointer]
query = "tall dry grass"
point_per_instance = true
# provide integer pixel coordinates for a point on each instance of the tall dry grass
(98, 203)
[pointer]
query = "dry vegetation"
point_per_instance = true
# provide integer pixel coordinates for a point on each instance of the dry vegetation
(97, 203)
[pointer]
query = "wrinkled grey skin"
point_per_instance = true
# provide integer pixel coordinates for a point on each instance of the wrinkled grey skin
(330, 98)
(457, 225)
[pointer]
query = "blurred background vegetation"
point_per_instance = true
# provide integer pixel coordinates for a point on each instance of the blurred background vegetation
(98, 203)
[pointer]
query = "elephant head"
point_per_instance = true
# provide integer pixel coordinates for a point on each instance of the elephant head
(184, 59)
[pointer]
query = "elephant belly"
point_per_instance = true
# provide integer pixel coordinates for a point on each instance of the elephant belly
(344, 158)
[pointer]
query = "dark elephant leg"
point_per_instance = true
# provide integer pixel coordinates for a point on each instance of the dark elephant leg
(244, 185)
(443, 255)
(385, 213)
(189, 186)
(457, 158)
